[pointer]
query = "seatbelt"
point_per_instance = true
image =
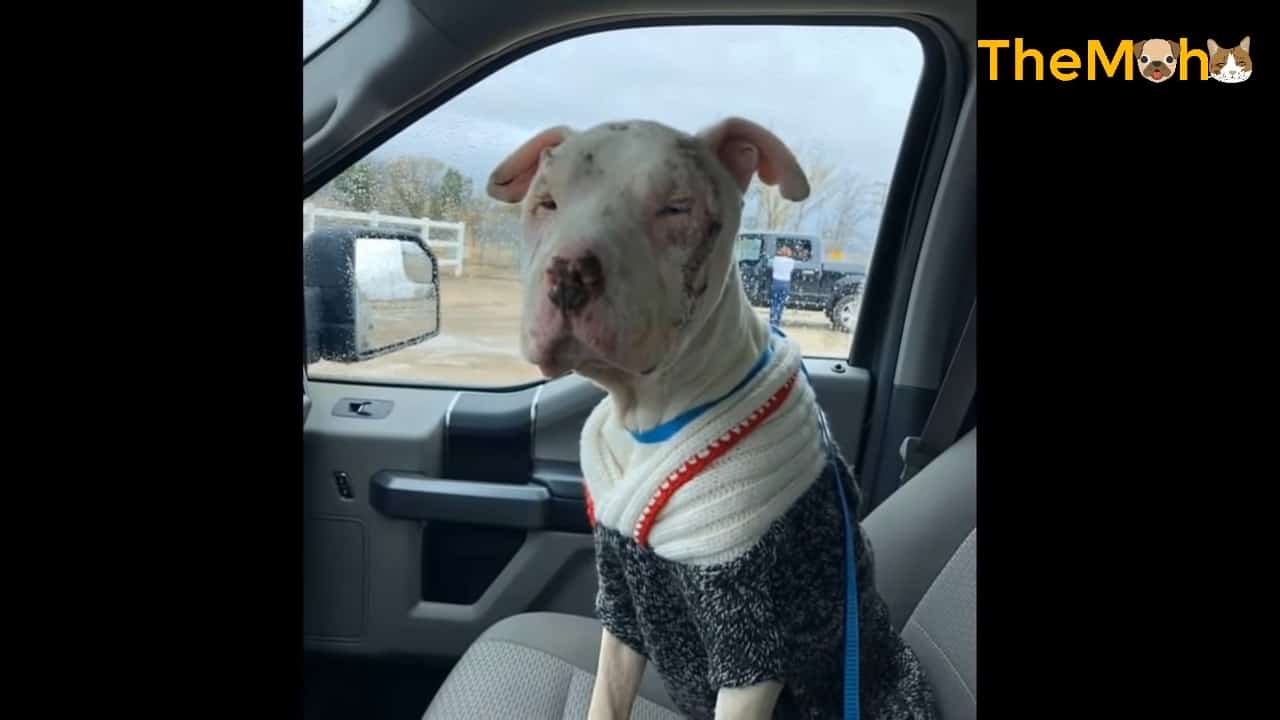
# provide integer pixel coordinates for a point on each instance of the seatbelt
(954, 398)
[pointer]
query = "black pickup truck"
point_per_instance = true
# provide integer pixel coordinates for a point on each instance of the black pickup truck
(833, 287)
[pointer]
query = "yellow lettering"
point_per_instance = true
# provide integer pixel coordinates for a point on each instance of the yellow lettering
(1109, 65)
(1065, 60)
(1184, 59)
(1019, 55)
(994, 46)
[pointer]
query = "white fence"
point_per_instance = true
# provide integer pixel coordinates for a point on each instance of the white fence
(423, 226)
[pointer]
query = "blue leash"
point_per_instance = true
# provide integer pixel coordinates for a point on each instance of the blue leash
(850, 612)
(852, 709)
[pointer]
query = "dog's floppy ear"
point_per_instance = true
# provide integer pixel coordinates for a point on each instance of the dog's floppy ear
(747, 149)
(510, 180)
(1174, 49)
(1137, 47)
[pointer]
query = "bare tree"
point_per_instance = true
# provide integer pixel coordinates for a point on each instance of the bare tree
(494, 231)
(409, 182)
(770, 210)
(767, 209)
(824, 185)
(856, 203)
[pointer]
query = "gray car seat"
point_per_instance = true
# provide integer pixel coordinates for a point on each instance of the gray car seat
(542, 665)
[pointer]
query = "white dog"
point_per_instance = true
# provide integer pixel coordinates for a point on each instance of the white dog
(715, 494)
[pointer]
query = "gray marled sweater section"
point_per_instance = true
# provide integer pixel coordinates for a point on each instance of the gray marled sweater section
(776, 612)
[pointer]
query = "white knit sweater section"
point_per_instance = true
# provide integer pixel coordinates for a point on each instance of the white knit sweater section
(723, 511)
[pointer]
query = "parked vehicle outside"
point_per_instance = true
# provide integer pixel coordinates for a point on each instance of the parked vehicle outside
(832, 286)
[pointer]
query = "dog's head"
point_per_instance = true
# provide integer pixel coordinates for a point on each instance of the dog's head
(1157, 59)
(628, 230)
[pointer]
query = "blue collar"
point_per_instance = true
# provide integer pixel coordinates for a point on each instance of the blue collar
(669, 428)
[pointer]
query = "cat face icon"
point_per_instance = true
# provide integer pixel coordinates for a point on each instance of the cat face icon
(1230, 65)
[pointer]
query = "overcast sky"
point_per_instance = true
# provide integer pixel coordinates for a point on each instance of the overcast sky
(842, 92)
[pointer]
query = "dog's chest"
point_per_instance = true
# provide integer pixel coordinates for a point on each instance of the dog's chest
(708, 493)
(773, 611)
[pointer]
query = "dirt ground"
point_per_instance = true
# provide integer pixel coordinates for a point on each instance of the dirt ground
(479, 327)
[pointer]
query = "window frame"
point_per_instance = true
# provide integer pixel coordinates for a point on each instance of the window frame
(306, 58)
(942, 69)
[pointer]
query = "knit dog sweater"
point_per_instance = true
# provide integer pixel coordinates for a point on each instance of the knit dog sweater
(720, 553)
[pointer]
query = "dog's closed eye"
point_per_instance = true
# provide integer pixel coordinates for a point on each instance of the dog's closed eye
(546, 204)
(675, 207)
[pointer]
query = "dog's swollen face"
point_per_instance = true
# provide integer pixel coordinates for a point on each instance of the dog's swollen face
(620, 223)
(628, 233)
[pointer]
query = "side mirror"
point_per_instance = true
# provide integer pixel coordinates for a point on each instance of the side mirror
(368, 292)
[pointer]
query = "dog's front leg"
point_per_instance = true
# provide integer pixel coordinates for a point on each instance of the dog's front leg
(749, 703)
(618, 674)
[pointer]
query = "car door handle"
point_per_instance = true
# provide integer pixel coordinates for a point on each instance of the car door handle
(413, 496)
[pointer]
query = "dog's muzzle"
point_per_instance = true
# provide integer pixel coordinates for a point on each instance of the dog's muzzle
(571, 284)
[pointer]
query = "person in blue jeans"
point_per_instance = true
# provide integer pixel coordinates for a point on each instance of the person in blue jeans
(783, 264)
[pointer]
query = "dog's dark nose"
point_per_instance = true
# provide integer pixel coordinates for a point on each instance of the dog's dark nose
(571, 284)
(1156, 64)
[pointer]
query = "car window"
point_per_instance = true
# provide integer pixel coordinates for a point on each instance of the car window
(747, 247)
(322, 20)
(801, 248)
(839, 97)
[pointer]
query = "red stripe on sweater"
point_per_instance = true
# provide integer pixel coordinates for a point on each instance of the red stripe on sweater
(691, 467)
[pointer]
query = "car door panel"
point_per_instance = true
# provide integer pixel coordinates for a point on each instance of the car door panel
(375, 584)
(561, 410)
(383, 560)
(431, 543)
